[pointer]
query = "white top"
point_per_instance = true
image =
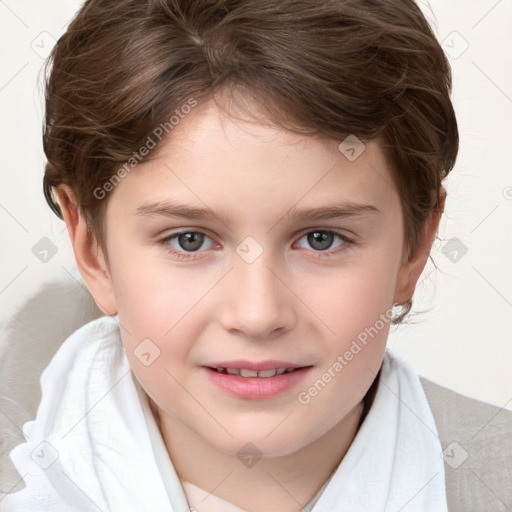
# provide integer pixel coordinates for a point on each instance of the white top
(92, 447)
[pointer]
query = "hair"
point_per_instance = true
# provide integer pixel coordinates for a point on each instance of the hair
(327, 68)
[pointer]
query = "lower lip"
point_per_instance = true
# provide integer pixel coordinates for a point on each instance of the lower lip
(256, 387)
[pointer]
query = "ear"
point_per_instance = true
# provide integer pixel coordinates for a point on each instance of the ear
(89, 256)
(412, 268)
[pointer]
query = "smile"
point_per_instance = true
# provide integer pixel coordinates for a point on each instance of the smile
(245, 372)
(256, 384)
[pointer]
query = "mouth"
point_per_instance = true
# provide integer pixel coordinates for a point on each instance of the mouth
(249, 380)
(246, 372)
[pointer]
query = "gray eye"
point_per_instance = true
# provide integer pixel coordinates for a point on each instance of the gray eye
(321, 240)
(190, 241)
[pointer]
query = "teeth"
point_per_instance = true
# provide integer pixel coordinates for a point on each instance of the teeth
(244, 372)
(267, 373)
(248, 373)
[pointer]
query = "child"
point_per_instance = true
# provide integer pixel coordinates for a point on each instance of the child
(251, 189)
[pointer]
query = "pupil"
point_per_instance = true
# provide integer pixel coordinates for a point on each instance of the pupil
(191, 241)
(320, 240)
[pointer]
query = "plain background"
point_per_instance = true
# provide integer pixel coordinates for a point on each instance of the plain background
(461, 334)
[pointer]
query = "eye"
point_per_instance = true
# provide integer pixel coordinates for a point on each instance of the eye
(187, 244)
(322, 240)
(184, 244)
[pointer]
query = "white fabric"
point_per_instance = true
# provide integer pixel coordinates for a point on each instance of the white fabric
(196, 498)
(91, 418)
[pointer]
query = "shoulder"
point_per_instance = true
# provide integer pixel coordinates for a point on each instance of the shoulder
(29, 389)
(477, 445)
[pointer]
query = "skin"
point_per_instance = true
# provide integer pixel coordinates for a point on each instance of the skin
(292, 303)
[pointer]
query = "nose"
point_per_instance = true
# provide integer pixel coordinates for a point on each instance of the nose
(257, 305)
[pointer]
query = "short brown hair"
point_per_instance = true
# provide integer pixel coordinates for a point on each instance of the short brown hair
(328, 68)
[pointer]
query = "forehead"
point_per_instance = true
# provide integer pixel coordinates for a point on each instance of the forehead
(211, 158)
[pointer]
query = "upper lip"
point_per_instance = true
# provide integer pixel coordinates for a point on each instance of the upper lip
(258, 365)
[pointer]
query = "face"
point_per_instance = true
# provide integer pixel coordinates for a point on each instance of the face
(246, 246)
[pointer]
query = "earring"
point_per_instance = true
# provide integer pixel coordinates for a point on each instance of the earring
(397, 311)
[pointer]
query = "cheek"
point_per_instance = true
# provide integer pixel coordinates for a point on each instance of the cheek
(153, 297)
(161, 313)
(360, 317)
(157, 344)
(350, 299)
(355, 306)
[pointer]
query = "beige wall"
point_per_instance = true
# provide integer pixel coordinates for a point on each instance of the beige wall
(464, 340)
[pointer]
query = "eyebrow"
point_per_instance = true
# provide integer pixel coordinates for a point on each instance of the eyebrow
(175, 209)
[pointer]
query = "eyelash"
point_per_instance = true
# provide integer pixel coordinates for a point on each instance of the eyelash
(347, 243)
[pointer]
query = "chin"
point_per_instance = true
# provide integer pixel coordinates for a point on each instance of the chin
(258, 443)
